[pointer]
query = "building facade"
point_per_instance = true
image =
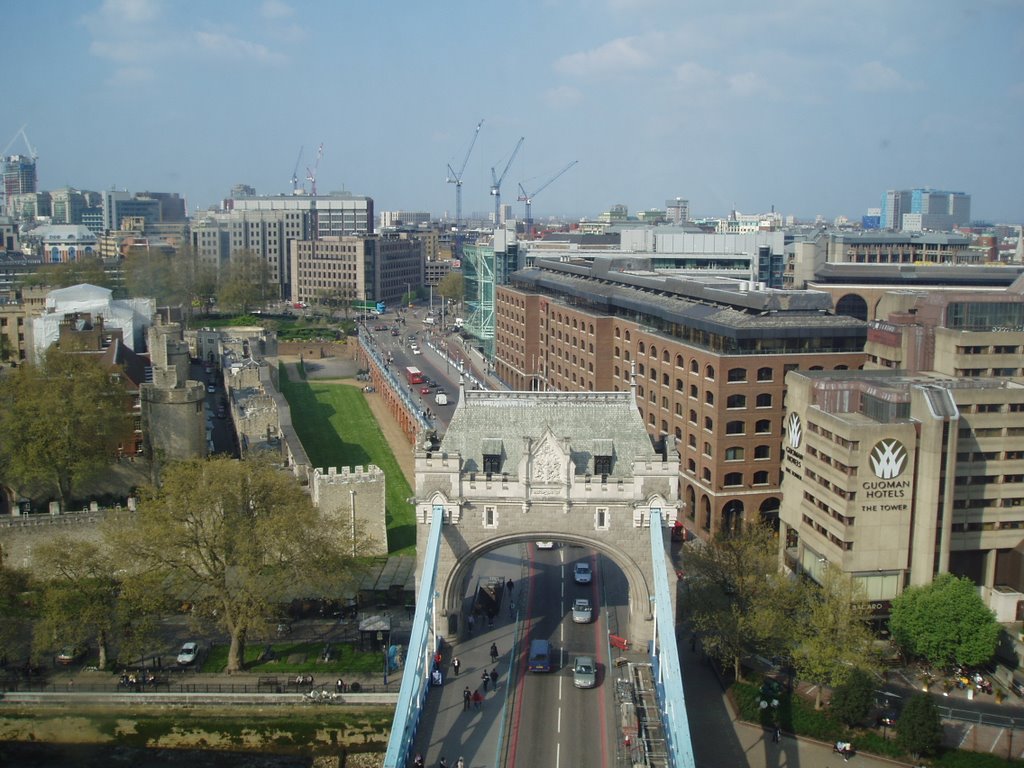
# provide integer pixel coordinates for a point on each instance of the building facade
(710, 359)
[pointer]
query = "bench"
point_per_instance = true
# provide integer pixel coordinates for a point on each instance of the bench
(269, 682)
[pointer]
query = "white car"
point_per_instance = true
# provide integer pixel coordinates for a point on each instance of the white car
(188, 653)
(581, 611)
(582, 574)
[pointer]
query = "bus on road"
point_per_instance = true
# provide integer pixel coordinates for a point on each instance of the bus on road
(373, 307)
(414, 375)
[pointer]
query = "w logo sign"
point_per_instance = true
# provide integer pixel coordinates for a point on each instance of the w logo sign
(888, 458)
(795, 430)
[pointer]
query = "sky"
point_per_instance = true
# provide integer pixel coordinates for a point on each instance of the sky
(808, 107)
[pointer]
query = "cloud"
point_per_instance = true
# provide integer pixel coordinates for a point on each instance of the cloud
(626, 54)
(562, 96)
(275, 9)
(873, 76)
(227, 46)
(696, 77)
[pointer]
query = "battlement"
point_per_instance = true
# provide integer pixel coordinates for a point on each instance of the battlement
(331, 475)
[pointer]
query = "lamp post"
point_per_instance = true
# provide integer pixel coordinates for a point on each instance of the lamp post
(352, 498)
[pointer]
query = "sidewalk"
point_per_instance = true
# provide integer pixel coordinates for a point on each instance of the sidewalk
(476, 734)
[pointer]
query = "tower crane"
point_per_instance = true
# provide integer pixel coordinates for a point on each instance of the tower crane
(456, 178)
(527, 197)
(21, 132)
(496, 182)
(295, 172)
(311, 172)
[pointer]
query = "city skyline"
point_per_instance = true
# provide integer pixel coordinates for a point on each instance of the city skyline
(805, 109)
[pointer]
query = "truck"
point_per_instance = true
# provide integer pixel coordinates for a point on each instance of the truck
(441, 398)
(413, 375)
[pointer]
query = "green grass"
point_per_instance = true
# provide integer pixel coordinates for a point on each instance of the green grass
(344, 659)
(353, 439)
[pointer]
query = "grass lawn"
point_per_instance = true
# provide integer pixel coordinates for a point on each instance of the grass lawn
(344, 659)
(353, 438)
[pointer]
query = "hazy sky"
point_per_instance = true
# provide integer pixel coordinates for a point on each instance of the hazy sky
(810, 106)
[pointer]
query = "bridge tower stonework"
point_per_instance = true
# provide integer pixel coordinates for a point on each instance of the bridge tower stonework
(575, 467)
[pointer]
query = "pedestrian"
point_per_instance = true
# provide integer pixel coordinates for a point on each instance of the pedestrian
(486, 678)
(469, 623)
(460, 764)
(417, 761)
(776, 734)
(455, 665)
(508, 586)
(443, 763)
(494, 678)
(466, 696)
(494, 653)
(478, 698)
(339, 686)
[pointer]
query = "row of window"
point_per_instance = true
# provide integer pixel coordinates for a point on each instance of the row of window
(602, 517)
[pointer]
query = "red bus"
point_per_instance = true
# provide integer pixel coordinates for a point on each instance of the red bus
(414, 375)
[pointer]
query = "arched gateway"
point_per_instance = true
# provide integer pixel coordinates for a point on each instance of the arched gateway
(527, 466)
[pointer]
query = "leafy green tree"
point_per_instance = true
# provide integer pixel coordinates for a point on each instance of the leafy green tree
(153, 273)
(919, 728)
(452, 287)
(246, 283)
(236, 539)
(79, 596)
(85, 270)
(739, 601)
(15, 610)
(833, 634)
(945, 622)
(853, 700)
(60, 422)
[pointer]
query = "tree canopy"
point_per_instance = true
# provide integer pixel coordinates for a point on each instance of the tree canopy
(919, 728)
(60, 423)
(452, 286)
(84, 270)
(15, 610)
(945, 622)
(853, 700)
(245, 284)
(235, 539)
(739, 601)
(832, 635)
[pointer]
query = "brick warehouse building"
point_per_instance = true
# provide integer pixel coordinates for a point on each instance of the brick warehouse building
(710, 355)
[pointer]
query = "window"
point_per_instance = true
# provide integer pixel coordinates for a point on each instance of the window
(763, 427)
(694, 391)
(735, 428)
(694, 366)
(736, 401)
(693, 417)
(709, 372)
(733, 478)
(709, 424)
(762, 452)
(709, 397)
(490, 517)
(764, 400)
(691, 466)
(679, 361)
(765, 374)
(737, 374)
(734, 453)
(706, 474)
(707, 449)
(761, 477)
(603, 465)
(601, 518)
(492, 463)
(679, 385)
(691, 440)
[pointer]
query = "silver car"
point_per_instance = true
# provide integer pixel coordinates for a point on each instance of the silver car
(584, 672)
(582, 611)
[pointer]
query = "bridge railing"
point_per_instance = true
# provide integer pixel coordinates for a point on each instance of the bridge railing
(423, 643)
(668, 673)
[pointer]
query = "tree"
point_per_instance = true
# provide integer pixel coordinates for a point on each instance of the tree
(153, 273)
(945, 622)
(853, 700)
(15, 610)
(740, 602)
(452, 287)
(246, 283)
(80, 596)
(234, 538)
(60, 422)
(85, 270)
(833, 637)
(919, 729)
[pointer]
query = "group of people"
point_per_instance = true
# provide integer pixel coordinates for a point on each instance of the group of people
(137, 678)
(442, 763)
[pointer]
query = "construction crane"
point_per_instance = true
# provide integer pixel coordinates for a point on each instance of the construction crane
(21, 132)
(525, 197)
(311, 172)
(496, 182)
(295, 172)
(456, 178)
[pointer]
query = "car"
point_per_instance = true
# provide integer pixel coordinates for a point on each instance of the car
(545, 545)
(69, 654)
(188, 653)
(424, 390)
(211, 388)
(582, 574)
(417, 351)
(582, 611)
(584, 672)
(539, 659)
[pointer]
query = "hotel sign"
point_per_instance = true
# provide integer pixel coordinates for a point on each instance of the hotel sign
(888, 459)
(794, 437)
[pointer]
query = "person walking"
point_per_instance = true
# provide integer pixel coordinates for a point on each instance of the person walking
(461, 763)
(478, 699)
(469, 624)
(443, 763)
(494, 653)
(417, 761)
(509, 586)
(494, 678)
(776, 734)
(486, 678)
(466, 696)
(455, 665)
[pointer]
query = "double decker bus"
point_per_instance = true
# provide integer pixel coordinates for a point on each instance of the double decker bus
(414, 375)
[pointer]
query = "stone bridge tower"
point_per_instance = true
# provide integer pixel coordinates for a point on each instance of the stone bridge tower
(577, 467)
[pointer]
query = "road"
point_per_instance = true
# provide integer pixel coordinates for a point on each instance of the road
(554, 723)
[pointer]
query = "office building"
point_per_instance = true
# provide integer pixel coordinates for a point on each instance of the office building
(920, 209)
(710, 357)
